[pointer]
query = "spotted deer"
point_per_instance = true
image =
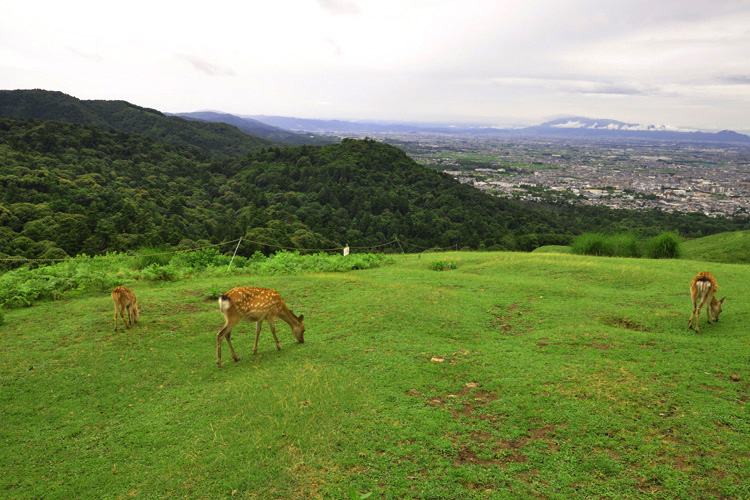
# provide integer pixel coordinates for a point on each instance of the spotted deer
(125, 301)
(703, 289)
(255, 304)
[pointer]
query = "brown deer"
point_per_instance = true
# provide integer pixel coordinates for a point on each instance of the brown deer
(255, 304)
(703, 289)
(125, 301)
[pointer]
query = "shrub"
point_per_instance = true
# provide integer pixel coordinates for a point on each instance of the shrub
(626, 245)
(443, 266)
(214, 292)
(155, 272)
(664, 246)
(592, 244)
(149, 255)
(203, 259)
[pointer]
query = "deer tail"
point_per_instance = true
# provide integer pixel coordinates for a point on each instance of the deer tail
(224, 303)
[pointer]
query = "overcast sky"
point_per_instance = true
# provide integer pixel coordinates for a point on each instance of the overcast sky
(505, 62)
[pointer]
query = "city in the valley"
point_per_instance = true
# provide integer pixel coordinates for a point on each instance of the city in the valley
(713, 179)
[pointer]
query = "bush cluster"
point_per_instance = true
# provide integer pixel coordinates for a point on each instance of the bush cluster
(663, 246)
(24, 286)
(443, 266)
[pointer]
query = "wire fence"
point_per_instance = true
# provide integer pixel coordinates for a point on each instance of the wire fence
(238, 241)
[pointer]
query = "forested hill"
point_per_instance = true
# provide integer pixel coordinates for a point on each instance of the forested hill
(218, 140)
(67, 189)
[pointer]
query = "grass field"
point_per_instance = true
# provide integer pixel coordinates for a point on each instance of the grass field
(514, 375)
(732, 247)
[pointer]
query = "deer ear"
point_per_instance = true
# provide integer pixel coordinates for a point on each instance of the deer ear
(722, 300)
(301, 318)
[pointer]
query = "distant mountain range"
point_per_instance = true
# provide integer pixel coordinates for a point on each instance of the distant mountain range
(258, 128)
(572, 127)
(224, 135)
(216, 134)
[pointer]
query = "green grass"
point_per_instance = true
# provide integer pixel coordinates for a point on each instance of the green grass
(552, 249)
(732, 247)
(512, 376)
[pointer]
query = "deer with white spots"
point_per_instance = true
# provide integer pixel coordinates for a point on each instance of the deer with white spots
(255, 304)
(703, 289)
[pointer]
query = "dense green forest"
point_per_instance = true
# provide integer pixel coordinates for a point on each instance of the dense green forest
(219, 140)
(67, 189)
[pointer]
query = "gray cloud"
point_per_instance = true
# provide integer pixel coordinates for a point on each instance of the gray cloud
(206, 67)
(735, 80)
(609, 89)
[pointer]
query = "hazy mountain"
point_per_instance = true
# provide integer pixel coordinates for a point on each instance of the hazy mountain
(219, 140)
(258, 128)
(611, 129)
(573, 127)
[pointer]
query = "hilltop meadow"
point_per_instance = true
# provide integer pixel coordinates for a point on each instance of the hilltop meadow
(448, 375)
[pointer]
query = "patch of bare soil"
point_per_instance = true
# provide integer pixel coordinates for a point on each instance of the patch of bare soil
(618, 322)
(482, 447)
(503, 320)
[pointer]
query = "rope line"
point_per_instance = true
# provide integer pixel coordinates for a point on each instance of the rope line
(123, 256)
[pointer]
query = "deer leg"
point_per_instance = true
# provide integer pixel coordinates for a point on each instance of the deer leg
(228, 336)
(692, 316)
(219, 338)
(122, 315)
(224, 332)
(129, 317)
(115, 316)
(698, 317)
(272, 324)
(707, 303)
(258, 325)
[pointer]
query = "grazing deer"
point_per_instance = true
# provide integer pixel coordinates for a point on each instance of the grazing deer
(703, 290)
(125, 301)
(255, 304)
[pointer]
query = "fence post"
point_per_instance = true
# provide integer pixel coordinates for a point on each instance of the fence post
(235, 253)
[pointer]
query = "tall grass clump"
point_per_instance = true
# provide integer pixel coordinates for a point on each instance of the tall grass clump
(592, 244)
(664, 246)
(626, 245)
(149, 255)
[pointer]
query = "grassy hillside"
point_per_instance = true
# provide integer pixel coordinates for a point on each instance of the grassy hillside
(732, 247)
(218, 140)
(512, 376)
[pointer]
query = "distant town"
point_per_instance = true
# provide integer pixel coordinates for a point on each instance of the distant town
(711, 179)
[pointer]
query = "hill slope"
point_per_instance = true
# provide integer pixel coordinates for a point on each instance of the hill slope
(733, 248)
(71, 188)
(218, 140)
(258, 129)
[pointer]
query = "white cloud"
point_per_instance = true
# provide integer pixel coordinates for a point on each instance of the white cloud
(672, 61)
(339, 7)
(206, 67)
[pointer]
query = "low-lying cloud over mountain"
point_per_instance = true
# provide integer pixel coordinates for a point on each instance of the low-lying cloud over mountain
(585, 123)
(569, 127)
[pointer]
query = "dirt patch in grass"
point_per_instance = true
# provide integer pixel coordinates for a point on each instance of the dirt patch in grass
(503, 451)
(482, 447)
(503, 319)
(619, 322)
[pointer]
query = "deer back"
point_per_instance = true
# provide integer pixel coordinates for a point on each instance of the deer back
(126, 300)
(704, 285)
(258, 304)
